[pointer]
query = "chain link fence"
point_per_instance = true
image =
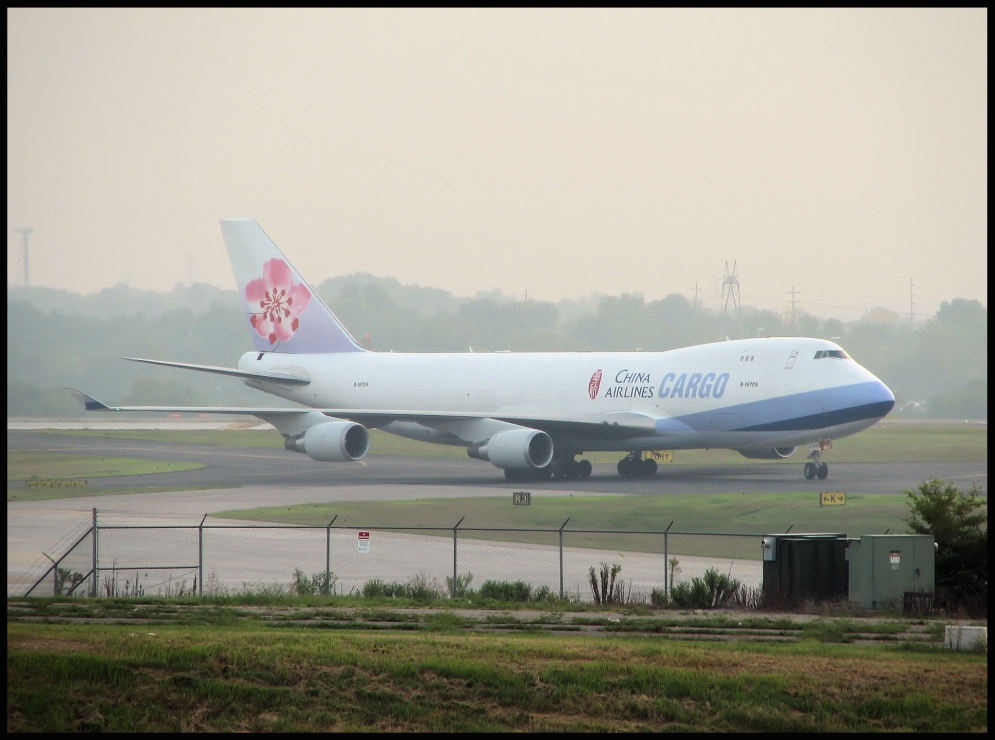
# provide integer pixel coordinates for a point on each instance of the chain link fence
(115, 556)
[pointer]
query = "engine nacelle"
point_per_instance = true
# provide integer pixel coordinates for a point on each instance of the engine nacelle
(333, 441)
(521, 450)
(769, 453)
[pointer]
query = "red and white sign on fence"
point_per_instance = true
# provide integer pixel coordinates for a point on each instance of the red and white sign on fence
(364, 541)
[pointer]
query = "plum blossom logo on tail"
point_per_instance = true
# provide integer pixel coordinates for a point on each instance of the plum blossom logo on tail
(281, 301)
(594, 385)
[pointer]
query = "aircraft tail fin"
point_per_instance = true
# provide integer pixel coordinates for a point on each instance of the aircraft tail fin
(283, 312)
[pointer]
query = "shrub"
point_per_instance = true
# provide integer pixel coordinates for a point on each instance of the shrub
(461, 587)
(418, 588)
(953, 518)
(305, 585)
(606, 587)
(710, 592)
(519, 592)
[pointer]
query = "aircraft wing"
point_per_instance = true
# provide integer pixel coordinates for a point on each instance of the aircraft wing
(615, 424)
(287, 378)
(618, 424)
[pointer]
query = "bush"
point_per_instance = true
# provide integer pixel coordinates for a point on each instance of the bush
(305, 585)
(419, 588)
(658, 598)
(519, 592)
(712, 591)
(953, 518)
(461, 587)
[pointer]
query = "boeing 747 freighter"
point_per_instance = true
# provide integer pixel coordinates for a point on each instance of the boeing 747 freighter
(530, 413)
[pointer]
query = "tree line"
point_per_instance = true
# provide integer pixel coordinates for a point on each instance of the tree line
(937, 367)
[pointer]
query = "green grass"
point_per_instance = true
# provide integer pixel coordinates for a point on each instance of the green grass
(241, 676)
(906, 442)
(750, 513)
(44, 494)
(22, 465)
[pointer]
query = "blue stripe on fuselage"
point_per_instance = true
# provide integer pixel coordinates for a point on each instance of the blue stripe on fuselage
(799, 411)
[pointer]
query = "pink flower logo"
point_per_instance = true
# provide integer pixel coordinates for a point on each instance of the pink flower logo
(594, 385)
(281, 301)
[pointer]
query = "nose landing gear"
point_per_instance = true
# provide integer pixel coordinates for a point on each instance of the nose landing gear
(816, 468)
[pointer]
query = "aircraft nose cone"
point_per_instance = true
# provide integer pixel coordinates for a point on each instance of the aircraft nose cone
(886, 399)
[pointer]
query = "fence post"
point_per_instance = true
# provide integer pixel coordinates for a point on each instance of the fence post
(328, 555)
(93, 589)
(453, 589)
(200, 556)
(561, 556)
(666, 563)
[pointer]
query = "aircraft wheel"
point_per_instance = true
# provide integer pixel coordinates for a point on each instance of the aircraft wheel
(623, 467)
(810, 470)
(823, 471)
(571, 469)
(584, 468)
(648, 468)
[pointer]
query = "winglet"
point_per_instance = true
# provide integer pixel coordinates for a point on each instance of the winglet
(89, 402)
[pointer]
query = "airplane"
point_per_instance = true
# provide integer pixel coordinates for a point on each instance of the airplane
(529, 413)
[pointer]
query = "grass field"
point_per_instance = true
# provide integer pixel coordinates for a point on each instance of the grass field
(236, 675)
(22, 465)
(882, 443)
(730, 513)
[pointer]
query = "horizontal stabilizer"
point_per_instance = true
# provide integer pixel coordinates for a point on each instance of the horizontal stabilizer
(234, 372)
(89, 402)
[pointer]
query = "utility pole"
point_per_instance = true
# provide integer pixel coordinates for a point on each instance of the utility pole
(25, 233)
(190, 256)
(696, 296)
(730, 291)
(912, 303)
(793, 293)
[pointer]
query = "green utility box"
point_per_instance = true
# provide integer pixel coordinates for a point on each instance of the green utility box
(884, 566)
(804, 567)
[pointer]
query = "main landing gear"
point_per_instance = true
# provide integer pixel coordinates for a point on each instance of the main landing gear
(633, 466)
(565, 467)
(816, 468)
(571, 468)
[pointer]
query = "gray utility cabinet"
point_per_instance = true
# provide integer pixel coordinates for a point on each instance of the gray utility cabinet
(804, 567)
(884, 566)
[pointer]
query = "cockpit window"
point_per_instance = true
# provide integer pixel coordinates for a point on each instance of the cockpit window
(837, 353)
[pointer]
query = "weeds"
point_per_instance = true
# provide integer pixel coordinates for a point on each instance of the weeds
(418, 588)
(319, 583)
(518, 592)
(459, 587)
(710, 592)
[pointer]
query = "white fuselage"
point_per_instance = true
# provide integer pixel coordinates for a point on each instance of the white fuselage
(737, 394)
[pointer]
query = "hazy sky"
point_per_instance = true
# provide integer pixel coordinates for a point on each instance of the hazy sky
(562, 152)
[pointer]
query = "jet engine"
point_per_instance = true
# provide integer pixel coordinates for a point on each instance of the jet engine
(770, 453)
(519, 450)
(333, 441)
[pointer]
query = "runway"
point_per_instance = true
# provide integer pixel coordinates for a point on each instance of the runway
(272, 476)
(274, 466)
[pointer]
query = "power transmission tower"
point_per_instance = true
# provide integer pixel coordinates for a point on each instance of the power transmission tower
(25, 233)
(190, 256)
(793, 293)
(912, 303)
(696, 296)
(730, 291)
